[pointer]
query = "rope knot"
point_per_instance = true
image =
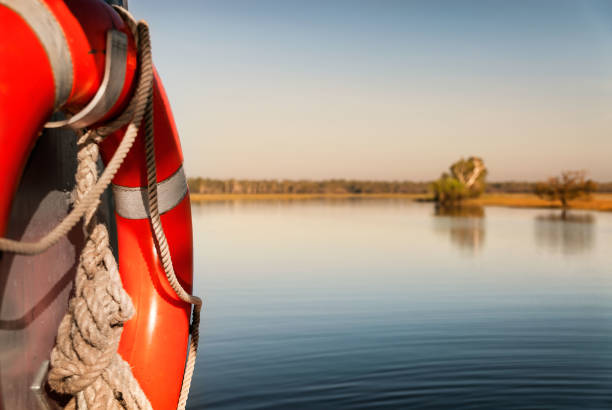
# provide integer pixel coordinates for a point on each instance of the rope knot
(89, 334)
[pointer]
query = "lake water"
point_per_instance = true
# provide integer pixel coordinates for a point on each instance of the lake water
(384, 304)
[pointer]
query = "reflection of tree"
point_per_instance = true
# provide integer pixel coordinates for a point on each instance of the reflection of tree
(467, 211)
(570, 233)
(464, 224)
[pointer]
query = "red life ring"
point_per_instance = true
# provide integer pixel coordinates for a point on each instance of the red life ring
(53, 56)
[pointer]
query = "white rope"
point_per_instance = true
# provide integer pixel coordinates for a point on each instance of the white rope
(162, 243)
(166, 259)
(85, 362)
(134, 114)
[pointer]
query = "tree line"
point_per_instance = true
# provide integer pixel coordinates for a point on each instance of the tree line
(521, 187)
(343, 186)
(303, 186)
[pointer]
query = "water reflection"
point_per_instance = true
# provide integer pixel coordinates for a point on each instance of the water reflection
(362, 305)
(464, 224)
(271, 203)
(567, 234)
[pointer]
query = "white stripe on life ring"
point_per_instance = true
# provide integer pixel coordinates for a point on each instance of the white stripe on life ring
(131, 203)
(50, 34)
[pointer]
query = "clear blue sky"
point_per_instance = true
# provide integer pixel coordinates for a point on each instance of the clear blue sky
(386, 89)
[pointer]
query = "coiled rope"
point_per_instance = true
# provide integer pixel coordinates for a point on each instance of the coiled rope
(85, 362)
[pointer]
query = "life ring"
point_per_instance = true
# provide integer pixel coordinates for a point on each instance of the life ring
(54, 56)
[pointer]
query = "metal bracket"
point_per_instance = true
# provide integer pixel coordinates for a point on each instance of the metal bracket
(120, 3)
(110, 88)
(38, 386)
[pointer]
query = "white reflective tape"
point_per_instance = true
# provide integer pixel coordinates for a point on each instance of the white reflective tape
(110, 88)
(131, 203)
(50, 34)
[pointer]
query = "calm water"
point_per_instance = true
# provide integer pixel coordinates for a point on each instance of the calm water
(383, 304)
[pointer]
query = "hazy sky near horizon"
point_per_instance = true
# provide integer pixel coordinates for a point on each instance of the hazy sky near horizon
(386, 89)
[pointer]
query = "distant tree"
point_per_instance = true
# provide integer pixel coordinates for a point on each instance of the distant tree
(570, 185)
(466, 180)
(448, 190)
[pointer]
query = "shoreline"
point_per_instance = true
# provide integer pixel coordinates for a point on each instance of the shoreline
(599, 202)
(299, 197)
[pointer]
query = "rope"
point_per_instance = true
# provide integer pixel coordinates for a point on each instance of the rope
(166, 259)
(162, 243)
(135, 111)
(85, 362)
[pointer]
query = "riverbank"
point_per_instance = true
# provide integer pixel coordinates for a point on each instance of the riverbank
(299, 197)
(598, 202)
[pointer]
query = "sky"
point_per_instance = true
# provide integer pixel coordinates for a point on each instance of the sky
(386, 90)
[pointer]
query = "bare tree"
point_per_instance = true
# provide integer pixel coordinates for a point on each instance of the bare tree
(570, 185)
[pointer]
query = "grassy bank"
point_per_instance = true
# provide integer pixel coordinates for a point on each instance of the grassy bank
(598, 202)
